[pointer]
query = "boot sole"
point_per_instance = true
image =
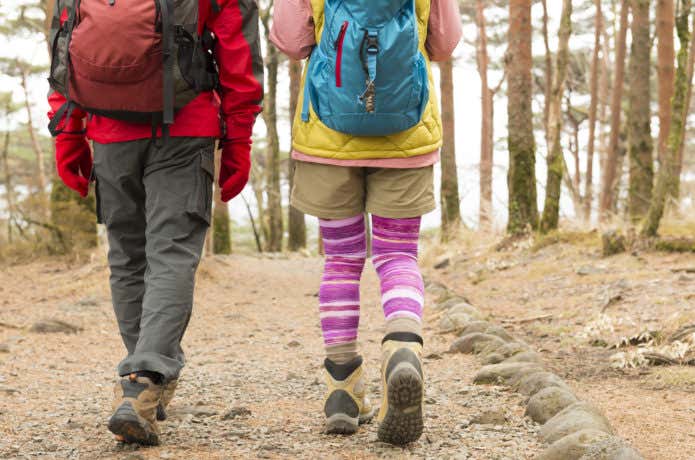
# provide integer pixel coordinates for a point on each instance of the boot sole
(126, 424)
(403, 422)
(341, 424)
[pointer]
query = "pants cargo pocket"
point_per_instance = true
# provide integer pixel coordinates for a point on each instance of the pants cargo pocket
(200, 202)
(97, 196)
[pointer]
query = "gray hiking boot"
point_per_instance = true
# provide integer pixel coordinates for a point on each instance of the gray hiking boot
(135, 410)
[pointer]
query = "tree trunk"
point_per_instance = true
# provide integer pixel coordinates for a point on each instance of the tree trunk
(611, 163)
(665, 25)
(9, 190)
(691, 68)
(451, 214)
(553, 187)
(296, 222)
(604, 96)
(36, 146)
(548, 88)
(640, 144)
(521, 178)
(273, 192)
(487, 121)
(669, 166)
(593, 111)
(221, 228)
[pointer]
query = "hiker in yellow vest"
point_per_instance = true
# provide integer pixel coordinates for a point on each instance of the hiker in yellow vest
(366, 135)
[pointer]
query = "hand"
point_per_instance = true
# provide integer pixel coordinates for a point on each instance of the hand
(235, 166)
(74, 158)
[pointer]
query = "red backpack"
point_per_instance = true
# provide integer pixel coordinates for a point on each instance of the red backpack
(132, 60)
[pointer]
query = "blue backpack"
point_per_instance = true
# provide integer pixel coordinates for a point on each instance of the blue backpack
(367, 77)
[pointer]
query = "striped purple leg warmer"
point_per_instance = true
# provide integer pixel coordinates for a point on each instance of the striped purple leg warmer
(394, 254)
(339, 296)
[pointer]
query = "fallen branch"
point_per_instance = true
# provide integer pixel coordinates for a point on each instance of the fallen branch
(527, 320)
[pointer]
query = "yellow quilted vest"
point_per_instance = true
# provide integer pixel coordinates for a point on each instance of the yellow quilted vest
(316, 139)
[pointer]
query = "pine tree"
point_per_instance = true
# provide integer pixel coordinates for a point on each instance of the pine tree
(669, 166)
(553, 186)
(521, 178)
(640, 144)
(451, 214)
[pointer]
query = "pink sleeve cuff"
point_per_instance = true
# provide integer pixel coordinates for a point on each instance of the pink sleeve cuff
(293, 28)
(444, 30)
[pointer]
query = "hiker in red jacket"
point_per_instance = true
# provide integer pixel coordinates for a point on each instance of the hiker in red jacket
(153, 84)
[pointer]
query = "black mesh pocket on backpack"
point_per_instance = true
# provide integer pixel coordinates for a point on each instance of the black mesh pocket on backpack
(195, 60)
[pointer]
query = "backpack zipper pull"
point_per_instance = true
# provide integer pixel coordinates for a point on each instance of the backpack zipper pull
(341, 35)
(112, 2)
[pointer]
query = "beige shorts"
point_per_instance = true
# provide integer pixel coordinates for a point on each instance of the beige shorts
(339, 192)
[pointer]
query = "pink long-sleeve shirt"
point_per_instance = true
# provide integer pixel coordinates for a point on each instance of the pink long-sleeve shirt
(293, 34)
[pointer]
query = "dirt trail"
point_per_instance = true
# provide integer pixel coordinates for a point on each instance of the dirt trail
(252, 387)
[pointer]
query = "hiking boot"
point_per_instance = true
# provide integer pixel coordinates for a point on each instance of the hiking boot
(167, 396)
(400, 416)
(135, 410)
(347, 405)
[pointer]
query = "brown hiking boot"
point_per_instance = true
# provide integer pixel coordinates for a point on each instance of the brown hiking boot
(135, 410)
(401, 416)
(167, 396)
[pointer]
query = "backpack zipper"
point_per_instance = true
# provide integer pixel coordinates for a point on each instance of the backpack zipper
(338, 45)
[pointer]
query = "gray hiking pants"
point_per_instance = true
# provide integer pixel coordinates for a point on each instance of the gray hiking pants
(155, 202)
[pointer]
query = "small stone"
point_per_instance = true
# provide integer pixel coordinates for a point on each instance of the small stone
(237, 412)
(448, 303)
(54, 326)
(442, 262)
(579, 416)
(4, 348)
(466, 308)
(503, 372)
(467, 343)
(572, 446)
(294, 344)
(440, 292)
(509, 349)
(475, 326)
(545, 404)
(525, 357)
(194, 411)
(490, 417)
(493, 358)
(611, 448)
(533, 383)
(500, 332)
(451, 322)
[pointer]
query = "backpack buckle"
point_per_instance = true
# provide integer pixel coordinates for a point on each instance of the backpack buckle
(372, 44)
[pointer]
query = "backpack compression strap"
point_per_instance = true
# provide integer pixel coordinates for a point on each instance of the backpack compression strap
(167, 10)
(368, 54)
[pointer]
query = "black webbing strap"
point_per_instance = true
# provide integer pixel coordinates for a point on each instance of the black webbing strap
(64, 112)
(167, 9)
(215, 6)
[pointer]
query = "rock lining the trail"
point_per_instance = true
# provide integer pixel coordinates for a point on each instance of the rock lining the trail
(573, 429)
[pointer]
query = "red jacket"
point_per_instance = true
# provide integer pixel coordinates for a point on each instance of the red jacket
(241, 88)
